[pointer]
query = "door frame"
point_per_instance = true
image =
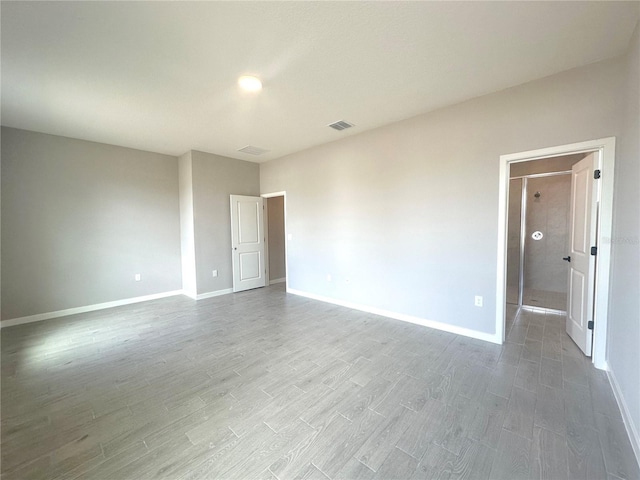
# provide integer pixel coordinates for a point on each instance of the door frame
(286, 237)
(606, 163)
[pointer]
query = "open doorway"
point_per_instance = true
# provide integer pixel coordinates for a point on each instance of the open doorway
(538, 230)
(542, 284)
(275, 234)
(538, 227)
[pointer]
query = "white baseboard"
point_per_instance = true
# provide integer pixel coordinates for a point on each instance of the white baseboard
(277, 280)
(101, 306)
(217, 293)
(87, 308)
(487, 337)
(632, 430)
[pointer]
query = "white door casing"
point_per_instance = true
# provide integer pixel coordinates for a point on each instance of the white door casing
(247, 242)
(582, 236)
(605, 149)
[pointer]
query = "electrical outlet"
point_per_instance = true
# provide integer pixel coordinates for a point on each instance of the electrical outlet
(478, 302)
(328, 277)
(137, 277)
(215, 273)
(290, 236)
(347, 280)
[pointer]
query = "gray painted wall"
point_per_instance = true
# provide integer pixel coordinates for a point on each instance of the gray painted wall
(624, 314)
(215, 178)
(275, 209)
(409, 212)
(80, 219)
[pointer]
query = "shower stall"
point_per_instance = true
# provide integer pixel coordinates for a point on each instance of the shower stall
(537, 236)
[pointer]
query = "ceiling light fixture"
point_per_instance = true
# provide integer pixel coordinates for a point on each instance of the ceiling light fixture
(250, 84)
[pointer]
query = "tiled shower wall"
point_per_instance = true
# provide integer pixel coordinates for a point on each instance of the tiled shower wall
(544, 267)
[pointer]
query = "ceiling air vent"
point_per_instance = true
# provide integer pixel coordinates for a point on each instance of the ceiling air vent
(251, 150)
(340, 125)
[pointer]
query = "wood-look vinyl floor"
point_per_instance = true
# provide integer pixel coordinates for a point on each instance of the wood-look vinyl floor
(265, 385)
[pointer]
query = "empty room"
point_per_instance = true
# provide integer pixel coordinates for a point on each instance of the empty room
(320, 240)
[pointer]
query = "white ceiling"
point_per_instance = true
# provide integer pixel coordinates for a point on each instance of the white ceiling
(161, 76)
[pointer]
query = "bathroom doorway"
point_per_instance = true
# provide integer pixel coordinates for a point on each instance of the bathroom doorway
(538, 227)
(592, 188)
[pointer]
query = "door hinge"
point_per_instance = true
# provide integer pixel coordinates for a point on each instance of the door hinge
(596, 174)
(594, 250)
(590, 325)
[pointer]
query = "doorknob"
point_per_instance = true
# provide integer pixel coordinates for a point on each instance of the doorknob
(568, 259)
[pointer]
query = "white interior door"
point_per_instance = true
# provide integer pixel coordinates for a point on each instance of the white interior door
(582, 237)
(247, 242)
